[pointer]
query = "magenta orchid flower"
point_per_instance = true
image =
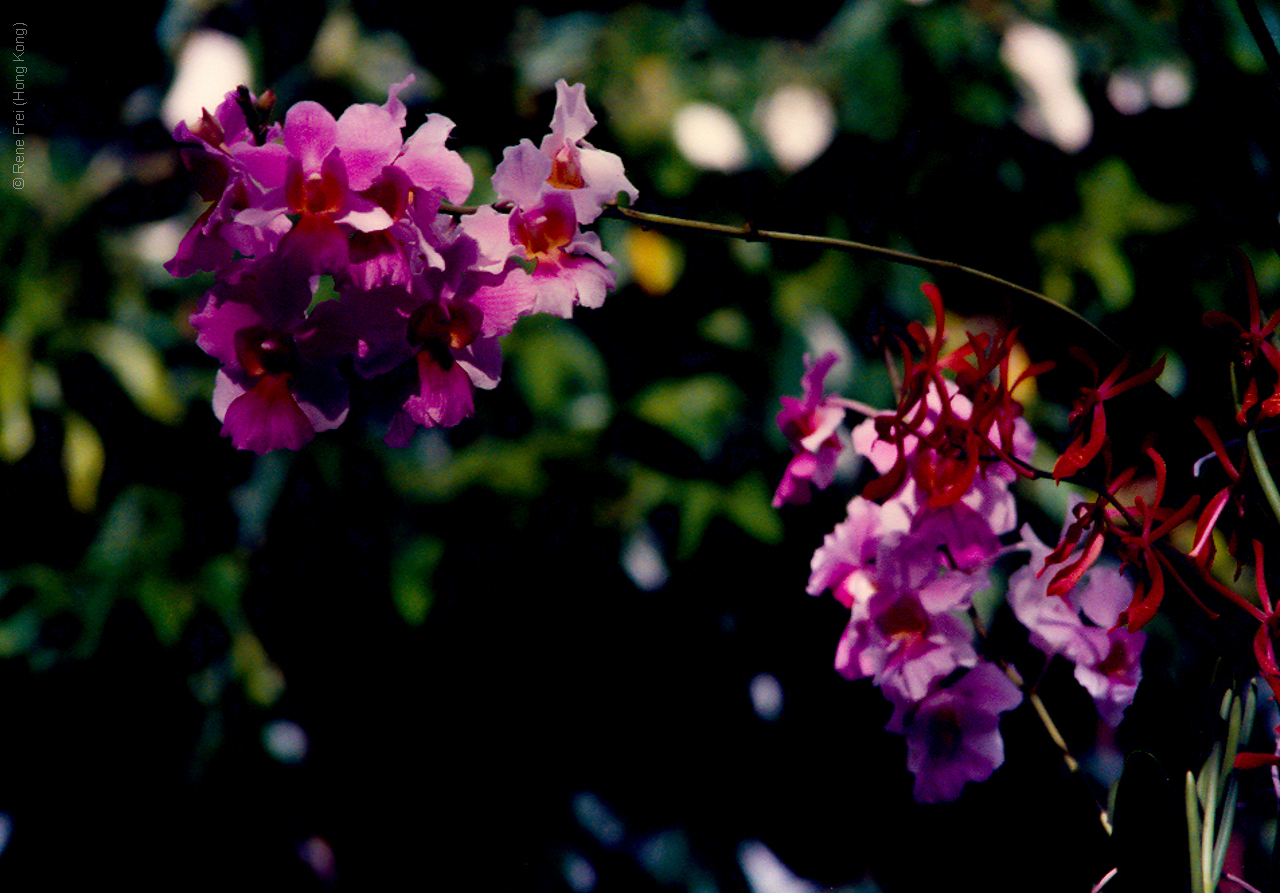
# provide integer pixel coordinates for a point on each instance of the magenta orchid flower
(1106, 655)
(846, 561)
(347, 181)
(571, 266)
(279, 382)
(447, 327)
(953, 734)
(904, 588)
(566, 162)
(904, 648)
(214, 150)
(810, 424)
(319, 208)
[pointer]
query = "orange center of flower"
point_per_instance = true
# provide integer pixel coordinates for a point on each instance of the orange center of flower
(437, 330)
(313, 194)
(566, 172)
(544, 233)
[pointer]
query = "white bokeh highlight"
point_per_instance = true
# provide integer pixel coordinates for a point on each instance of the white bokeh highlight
(642, 561)
(766, 696)
(798, 124)
(766, 873)
(1053, 107)
(1169, 85)
(210, 64)
(708, 137)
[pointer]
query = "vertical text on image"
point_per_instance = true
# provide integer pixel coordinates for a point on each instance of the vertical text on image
(19, 60)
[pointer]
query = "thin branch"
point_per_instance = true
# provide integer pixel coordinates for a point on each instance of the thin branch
(749, 233)
(1072, 764)
(1261, 36)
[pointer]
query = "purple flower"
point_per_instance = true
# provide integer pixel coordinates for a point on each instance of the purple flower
(901, 645)
(571, 266)
(942, 555)
(553, 190)
(348, 181)
(566, 162)
(953, 734)
(318, 191)
(417, 293)
(846, 561)
(1106, 656)
(810, 425)
(279, 383)
(904, 629)
(214, 151)
(447, 326)
(946, 556)
(1112, 671)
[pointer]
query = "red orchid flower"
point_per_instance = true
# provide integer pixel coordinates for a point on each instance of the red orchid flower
(1085, 448)
(1252, 343)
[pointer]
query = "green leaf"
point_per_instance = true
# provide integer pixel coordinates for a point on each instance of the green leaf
(697, 410)
(168, 605)
(727, 326)
(83, 458)
(263, 682)
(19, 633)
(139, 368)
(749, 504)
(699, 503)
(17, 434)
(1113, 208)
(221, 582)
(1194, 833)
(561, 373)
(411, 573)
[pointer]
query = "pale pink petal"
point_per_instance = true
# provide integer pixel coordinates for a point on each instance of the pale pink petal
(433, 167)
(368, 140)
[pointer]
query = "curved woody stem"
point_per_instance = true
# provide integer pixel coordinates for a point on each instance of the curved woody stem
(749, 233)
(1037, 703)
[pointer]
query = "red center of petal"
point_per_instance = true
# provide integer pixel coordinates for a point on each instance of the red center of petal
(452, 328)
(1115, 661)
(566, 171)
(543, 233)
(904, 619)
(317, 196)
(261, 351)
(318, 193)
(390, 195)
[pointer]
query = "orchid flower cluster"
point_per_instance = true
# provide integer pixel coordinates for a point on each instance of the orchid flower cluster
(339, 251)
(331, 252)
(921, 540)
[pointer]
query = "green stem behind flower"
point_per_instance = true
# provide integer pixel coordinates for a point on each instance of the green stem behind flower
(1072, 764)
(748, 232)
